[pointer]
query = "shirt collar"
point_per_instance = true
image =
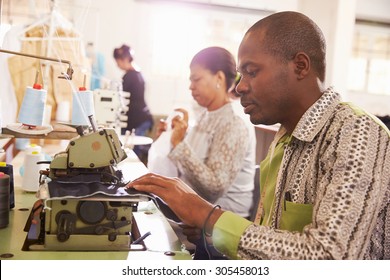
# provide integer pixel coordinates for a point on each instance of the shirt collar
(315, 117)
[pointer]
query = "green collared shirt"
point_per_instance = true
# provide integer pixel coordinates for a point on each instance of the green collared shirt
(337, 164)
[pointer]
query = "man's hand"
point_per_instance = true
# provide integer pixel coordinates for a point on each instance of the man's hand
(187, 205)
(193, 234)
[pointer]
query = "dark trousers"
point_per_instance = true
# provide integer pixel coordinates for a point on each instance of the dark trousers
(207, 252)
(142, 150)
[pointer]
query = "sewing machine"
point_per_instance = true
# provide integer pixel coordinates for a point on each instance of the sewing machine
(86, 204)
(111, 107)
(86, 211)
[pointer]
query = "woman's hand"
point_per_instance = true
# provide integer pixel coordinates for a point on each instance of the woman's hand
(161, 127)
(179, 127)
(187, 205)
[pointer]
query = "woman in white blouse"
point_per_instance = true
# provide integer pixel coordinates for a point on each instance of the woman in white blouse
(216, 157)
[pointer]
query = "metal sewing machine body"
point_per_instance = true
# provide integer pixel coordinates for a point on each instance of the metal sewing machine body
(88, 207)
(111, 107)
(94, 153)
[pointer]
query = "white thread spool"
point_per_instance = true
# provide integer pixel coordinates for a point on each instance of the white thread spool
(47, 118)
(32, 110)
(83, 106)
(63, 111)
(33, 148)
(30, 181)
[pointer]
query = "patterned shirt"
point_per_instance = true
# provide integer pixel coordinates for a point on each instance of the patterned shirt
(338, 160)
(217, 159)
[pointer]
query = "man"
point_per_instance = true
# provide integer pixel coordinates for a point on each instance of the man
(325, 184)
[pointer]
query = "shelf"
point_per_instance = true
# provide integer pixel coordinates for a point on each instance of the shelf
(60, 132)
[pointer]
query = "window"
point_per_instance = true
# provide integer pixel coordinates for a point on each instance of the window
(370, 63)
(179, 32)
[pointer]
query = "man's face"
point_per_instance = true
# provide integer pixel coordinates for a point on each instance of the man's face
(264, 85)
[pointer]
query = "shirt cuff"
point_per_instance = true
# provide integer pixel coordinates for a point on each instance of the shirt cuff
(227, 232)
(177, 152)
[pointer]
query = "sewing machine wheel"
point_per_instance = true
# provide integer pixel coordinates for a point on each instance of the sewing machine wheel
(92, 223)
(59, 214)
(91, 212)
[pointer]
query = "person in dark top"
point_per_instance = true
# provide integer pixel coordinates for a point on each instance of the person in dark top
(139, 116)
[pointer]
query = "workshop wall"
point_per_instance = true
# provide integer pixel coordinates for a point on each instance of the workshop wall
(164, 48)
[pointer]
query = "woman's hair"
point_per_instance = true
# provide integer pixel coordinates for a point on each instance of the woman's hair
(124, 52)
(217, 59)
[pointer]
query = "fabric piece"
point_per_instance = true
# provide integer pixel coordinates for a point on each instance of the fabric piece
(8, 109)
(82, 186)
(158, 160)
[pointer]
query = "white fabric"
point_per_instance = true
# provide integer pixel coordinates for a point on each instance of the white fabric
(158, 161)
(9, 108)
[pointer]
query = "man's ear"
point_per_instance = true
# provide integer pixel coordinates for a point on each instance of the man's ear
(301, 65)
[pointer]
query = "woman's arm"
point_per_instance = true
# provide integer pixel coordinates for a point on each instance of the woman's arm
(224, 160)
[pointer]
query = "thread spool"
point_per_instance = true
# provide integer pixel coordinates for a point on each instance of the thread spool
(8, 169)
(30, 181)
(47, 118)
(4, 200)
(33, 148)
(83, 106)
(62, 113)
(32, 110)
